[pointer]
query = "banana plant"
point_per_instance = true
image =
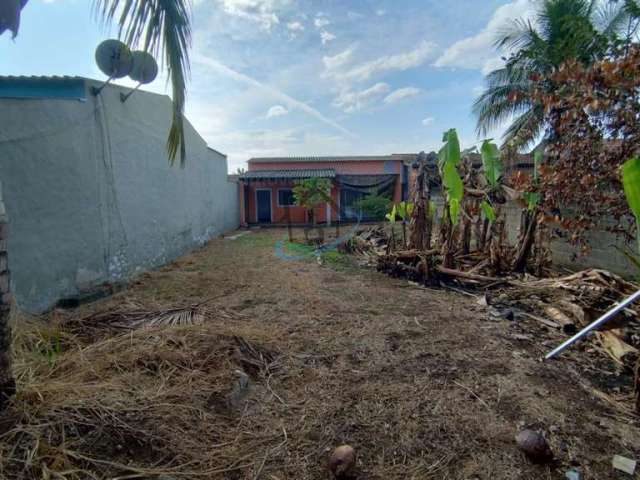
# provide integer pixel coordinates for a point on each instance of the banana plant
(533, 198)
(391, 216)
(491, 163)
(631, 184)
(493, 170)
(404, 210)
(448, 160)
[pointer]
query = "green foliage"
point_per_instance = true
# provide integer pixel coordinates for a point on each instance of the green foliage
(391, 216)
(491, 163)
(631, 184)
(311, 192)
(450, 152)
(533, 198)
(449, 158)
(374, 206)
(488, 210)
(405, 210)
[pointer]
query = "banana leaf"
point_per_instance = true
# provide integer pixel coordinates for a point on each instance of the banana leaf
(391, 216)
(491, 163)
(488, 210)
(631, 184)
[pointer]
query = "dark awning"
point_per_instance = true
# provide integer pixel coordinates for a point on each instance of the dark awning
(288, 174)
(370, 184)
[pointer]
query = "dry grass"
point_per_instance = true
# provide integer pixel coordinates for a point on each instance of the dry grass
(417, 380)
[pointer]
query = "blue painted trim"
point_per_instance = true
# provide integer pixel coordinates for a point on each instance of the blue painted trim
(73, 89)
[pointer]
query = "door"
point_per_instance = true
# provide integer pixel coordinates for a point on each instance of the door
(263, 200)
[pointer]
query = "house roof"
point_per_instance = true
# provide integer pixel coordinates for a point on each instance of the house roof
(351, 158)
(289, 174)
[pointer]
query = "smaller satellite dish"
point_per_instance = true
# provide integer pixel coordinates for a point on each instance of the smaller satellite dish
(114, 58)
(144, 69)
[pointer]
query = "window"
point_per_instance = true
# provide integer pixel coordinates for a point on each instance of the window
(285, 197)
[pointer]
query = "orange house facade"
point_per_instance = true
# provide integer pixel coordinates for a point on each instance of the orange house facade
(266, 189)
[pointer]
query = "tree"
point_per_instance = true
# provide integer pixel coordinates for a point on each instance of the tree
(579, 30)
(593, 115)
(311, 193)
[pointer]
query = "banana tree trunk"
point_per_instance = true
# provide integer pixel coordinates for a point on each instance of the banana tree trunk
(526, 240)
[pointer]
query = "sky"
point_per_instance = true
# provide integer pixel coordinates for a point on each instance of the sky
(303, 77)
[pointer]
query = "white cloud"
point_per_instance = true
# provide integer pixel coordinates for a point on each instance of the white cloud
(477, 51)
(401, 94)
(321, 21)
(381, 12)
(336, 61)
(262, 12)
(400, 61)
(289, 101)
(326, 37)
(350, 101)
(427, 122)
(277, 111)
(295, 26)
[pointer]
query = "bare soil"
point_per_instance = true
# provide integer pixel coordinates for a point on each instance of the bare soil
(423, 383)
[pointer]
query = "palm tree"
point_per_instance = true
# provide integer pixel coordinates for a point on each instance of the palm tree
(563, 30)
(162, 27)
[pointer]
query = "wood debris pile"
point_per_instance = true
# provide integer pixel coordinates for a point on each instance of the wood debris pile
(369, 243)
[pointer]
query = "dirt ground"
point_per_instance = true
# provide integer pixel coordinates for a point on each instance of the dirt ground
(422, 382)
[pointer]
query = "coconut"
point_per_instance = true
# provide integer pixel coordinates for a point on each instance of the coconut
(342, 461)
(534, 445)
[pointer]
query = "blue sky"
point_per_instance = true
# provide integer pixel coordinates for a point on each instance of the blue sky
(303, 77)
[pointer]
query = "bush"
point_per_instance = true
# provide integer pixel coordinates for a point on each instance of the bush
(375, 206)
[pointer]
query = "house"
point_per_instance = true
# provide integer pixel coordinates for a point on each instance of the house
(266, 189)
(90, 195)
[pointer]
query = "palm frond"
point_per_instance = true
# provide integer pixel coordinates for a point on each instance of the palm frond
(611, 18)
(10, 16)
(507, 94)
(161, 27)
(525, 129)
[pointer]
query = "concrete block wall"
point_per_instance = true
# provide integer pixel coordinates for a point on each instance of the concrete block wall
(91, 197)
(7, 383)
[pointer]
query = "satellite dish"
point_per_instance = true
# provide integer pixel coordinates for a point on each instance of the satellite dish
(114, 59)
(144, 69)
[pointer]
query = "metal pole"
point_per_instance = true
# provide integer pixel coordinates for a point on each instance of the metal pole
(601, 321)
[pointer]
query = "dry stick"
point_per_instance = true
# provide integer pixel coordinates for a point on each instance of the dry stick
(274, 393)
(474, 394)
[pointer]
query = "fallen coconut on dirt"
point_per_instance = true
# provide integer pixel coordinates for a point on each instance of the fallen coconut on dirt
(534, 446)
(342, 462)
